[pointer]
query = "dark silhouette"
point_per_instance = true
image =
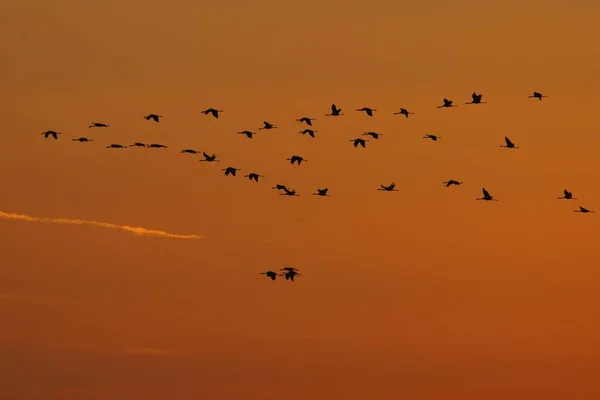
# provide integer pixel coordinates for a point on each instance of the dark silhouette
(230, 171)
(296, 159)
(367, 110)
(288, 192)
(374, 135)
(190, 151)
(306, 120)
(452, 182)
(98, 125)
(279, 187)
(537, 95)
(82, 140)
(447, 104)
(509, 144)
(310, 132)
(268, 125)
(138, 144)
(209, 158)
(359, 142)
(154, 117)
(404, 111)
(568, 195)
(583, 210)
(432, 137)
(322, 192)
(290, 273)
(248, 134)
(213, 111)
(156, 146)
(486, 196)
(253, 176)
(476, 99)
(271, 274)
(116, 146)
(334, 111)
(390, 188)
(54, 134)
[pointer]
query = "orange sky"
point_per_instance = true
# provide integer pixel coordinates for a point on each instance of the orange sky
(420, 294)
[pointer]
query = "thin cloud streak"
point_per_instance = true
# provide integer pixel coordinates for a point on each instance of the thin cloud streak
(132, 229)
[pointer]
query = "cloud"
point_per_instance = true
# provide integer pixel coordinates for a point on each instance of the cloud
(132, 229)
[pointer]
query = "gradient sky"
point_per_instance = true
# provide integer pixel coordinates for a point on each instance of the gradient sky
(420, 294)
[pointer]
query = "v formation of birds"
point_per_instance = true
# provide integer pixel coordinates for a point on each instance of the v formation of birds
(289, 272)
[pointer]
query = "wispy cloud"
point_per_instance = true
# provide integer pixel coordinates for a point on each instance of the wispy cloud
(132, 229)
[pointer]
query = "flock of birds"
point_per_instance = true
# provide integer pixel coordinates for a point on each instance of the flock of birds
(289, 272)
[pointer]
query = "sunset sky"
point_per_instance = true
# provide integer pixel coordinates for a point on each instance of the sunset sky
(419, 294)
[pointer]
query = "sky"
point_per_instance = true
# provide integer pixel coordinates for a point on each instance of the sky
(424, 293)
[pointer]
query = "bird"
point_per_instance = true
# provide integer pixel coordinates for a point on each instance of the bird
(509, 144)
(268, 125)
(310, 132)
(82, 139)
(54, 134)
(271, 274)
(374, 135)
(452, 182)
(306, 120)
(288, 192)
(447, 103)
(568, 195)
(253, 176)
(98, 125)
(156, 146)
(279, 187)
(404, 111)
(486, 196)
(213, 111)
(432, 137)
(230, 171)
(289, 269)
(537, 95)
(290, 275)
(583, 210)
(190, 151)
(367, 110)
(322, 193)
(390, 188)
(296, 159)
(138, 144)
(476, 99)
(359, 141)
(248, 134)
(116, 146)
(334, 111)
(154, 117)
(209, 158)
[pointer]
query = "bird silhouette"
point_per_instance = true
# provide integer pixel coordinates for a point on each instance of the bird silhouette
(214, 112)
(537, 95)
(308, 121)
(509, 144)
(209, 158)
(296, 159)
(452, 182)
(389, 188)
(82, 140)
(54, 134)
(156, 146)
(359, 142)
(374, 135)
(568, 195)
(334, 111)
(138, 144)
(248, 134)
(98, 125)
(447, 104)
(189, 151)
(253, 176)
(432, 137)
(288, 192)
(290, 273)
(486, 196)
(583, 210)
(404, 111)
(279, 187)
(308, 132)
(476, 99)
(367, 110)
(271, 274)
(230, 171)
(154, 117)
(322, 192)
(268, 125)
(116, 146)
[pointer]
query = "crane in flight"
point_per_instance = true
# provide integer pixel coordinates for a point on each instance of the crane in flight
(310, 132)
(322, 192)
(404, 111)
(156, 146)
(268, 125)
(476, 99)
(214, 112)
(209, 158)
(98, 125)
(230, 171)
(253, 176)
(296, 159)
(374, 135)
(154, 117)
(509, 144)
(389, 188)
(290, 273)
(271, 274)
(452, 182)
(486, 196)
(54, 134)
(447, 104)
(116, 146)
(359, 142)
(432, 137)
(567, 195)
(288, 192)
(334, 111)
(189, 151)
(367, 110)
(137, 144)
(537, 95)
(583, 210)
(248, 134)
(308, 121)
(279, 187)
(82, 140)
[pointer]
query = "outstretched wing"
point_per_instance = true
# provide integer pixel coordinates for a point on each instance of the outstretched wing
(567, 193)
(508, 142)
(486, 193)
